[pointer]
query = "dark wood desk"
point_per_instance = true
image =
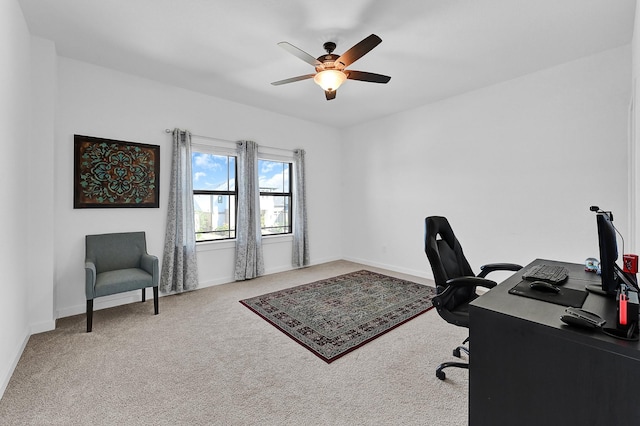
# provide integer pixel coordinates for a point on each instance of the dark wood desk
(529, 368)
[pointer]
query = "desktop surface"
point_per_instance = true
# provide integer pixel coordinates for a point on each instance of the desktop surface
(529, 367)
(548, 314)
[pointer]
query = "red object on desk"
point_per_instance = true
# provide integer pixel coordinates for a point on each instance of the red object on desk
(622, 309)
(630, 263)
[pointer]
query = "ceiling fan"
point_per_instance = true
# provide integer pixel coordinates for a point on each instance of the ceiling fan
(330, 68)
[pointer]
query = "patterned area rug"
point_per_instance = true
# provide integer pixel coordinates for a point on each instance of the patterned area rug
(335, 316)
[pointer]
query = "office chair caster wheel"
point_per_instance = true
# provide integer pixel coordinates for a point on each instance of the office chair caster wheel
(440, 375)
(456, 352)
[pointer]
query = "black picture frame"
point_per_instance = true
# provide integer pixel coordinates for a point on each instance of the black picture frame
(111, 173)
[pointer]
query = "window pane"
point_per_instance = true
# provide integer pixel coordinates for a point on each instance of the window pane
(214, 216)
(232, 173)
(273, 175)
(285, 173)
(274, 214)
(213, 172)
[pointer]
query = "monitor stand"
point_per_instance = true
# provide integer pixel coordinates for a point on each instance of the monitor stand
(596, 289)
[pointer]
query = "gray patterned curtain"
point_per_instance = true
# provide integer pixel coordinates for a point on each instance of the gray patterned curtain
(179, 265)
(249, 261)
(300, 237)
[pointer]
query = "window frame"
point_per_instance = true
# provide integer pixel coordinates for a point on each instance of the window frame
(289, 195)
(228, 152)
(233, 194)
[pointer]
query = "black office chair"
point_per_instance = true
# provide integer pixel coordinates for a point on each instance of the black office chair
(455, 281)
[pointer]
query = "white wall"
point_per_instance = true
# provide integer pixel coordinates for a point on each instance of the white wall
(99, 102)
(634, 143)
(40, 229)
(15, 191)
(558, 136)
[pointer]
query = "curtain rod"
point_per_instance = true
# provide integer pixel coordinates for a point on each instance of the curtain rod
(233, 142)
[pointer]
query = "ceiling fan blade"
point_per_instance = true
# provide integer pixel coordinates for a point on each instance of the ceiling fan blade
(330, 94)
(358, 51)
(367, 76)
(299, 53)
(292, 79)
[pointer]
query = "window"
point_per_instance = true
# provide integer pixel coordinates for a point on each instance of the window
(275, 197)
(214, 196)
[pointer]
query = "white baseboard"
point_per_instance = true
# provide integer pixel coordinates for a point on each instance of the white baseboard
(426, 273)
(326, 260)
(43, 326)
(230, 279)
(9, 372)
(102, 303)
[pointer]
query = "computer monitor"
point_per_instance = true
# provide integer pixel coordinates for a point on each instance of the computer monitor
(608, 252)
(611, 274)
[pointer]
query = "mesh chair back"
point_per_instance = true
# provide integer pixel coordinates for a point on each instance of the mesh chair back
(447, 261)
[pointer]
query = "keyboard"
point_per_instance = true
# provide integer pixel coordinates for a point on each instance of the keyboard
(546, 273)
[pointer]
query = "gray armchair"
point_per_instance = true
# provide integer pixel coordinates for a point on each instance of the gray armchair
(116, 263)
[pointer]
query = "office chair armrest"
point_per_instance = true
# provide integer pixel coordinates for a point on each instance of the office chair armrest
(470, 282)
(491, 267)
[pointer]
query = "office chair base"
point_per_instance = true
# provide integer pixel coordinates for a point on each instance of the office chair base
(463, 348)
(440, 373)
(456, 351)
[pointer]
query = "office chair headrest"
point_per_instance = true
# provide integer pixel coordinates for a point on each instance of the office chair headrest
(439, 226)
(451, 264)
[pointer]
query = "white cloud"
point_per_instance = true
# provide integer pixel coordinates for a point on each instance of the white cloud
(268, 166)
(206, 162)
(274, 181)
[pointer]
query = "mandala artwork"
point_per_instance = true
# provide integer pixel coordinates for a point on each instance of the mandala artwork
(111, 173)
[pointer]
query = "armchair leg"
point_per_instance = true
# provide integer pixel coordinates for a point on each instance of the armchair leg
(155, 300)
(144, 294)
(89, 315)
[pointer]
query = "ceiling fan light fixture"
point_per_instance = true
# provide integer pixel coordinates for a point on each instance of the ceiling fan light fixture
(330, 80)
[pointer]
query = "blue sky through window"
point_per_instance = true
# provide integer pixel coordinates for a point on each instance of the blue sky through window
(213, 172)
(217, 172)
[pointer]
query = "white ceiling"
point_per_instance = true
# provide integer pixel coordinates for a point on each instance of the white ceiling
(432, 49)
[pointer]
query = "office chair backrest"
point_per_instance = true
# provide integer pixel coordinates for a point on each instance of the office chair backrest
(116, 251)
(447, 259)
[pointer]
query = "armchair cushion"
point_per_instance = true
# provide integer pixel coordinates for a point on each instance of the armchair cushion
(121, 280)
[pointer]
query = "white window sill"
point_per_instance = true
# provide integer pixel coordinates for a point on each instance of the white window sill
(229, 244)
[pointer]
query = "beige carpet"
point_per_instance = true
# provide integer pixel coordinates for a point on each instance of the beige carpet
(208, 360)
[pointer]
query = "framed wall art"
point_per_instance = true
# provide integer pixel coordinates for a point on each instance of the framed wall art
(111, 173)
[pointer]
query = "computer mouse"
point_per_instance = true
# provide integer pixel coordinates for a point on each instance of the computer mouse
(577, 321)
(544, 287)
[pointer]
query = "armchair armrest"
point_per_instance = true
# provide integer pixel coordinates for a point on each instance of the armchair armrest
(491, 267)
(149, 263)
(89, 278)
